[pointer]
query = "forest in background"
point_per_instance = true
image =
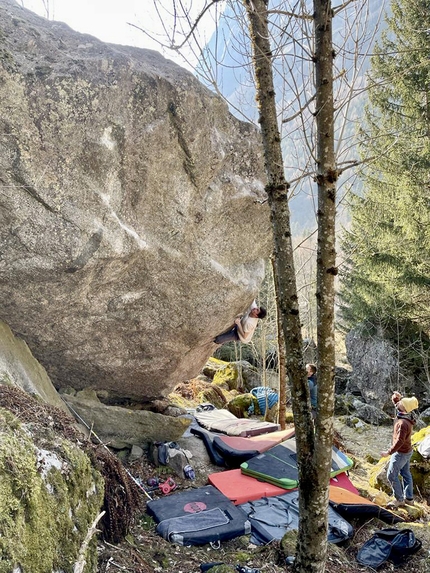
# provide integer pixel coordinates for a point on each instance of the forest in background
(383, 211)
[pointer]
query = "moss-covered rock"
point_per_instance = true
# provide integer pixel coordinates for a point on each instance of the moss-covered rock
(420, 467)
(425, 416)
(289, 542)
(418, 437)
(49, 496)
(228, 377)
(235, 375)
(241, 405)
(343, 404)
(198, 391)
(212, 395)
(212, 366)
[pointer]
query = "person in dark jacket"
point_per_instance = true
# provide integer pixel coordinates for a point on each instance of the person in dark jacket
(311, 370)
(401, 451)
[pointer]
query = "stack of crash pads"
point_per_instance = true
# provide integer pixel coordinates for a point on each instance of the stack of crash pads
(232, 451)
(236, 504)
(241, 488)
(252, 498)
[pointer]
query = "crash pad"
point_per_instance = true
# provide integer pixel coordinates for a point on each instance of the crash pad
(241, 488)
(350, 504)
(227, 423)
(342, 481)
(236, 450)
(208, 438)
(198, 516)
(272, 517)
(279, 465)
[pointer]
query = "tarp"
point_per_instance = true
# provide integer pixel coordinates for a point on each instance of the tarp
(272, 517)
(227, 423)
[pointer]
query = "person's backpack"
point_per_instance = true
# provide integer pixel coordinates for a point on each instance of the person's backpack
(390, 544)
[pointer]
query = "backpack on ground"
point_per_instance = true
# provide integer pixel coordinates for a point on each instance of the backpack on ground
(390, 544)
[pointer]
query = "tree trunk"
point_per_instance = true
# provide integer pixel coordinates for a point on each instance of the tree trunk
(282, 381)
(313, 451)
(316, 493)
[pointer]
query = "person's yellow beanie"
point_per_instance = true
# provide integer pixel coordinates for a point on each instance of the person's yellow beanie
(409, 404)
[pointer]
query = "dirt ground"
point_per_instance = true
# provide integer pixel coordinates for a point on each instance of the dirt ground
(144, 551)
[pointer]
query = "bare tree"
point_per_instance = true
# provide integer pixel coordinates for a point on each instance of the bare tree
(315, 130)
(314, 451)
(48, 8)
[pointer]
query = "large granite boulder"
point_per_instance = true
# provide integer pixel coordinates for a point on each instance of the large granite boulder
(382, 364)
(131, 216)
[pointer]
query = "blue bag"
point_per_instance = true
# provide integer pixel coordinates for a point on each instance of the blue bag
(390, 544)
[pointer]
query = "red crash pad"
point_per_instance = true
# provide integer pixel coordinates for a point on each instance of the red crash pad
(240, 488)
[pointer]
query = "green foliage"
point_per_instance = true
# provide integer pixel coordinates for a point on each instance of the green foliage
(387, 249)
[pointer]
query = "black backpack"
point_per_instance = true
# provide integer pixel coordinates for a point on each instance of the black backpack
(390, 544)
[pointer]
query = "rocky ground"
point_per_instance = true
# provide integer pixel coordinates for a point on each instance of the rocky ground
(143, 551)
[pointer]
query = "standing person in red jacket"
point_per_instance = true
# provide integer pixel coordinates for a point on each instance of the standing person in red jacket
(401, 451)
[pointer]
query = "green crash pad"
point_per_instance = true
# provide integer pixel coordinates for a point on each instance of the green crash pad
(278, 465)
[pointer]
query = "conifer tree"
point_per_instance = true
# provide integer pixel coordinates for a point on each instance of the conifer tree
(387, 248)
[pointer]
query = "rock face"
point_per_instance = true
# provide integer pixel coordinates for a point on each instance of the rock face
(122, 427)
(132, 228)
(374, 367)
(18, 367)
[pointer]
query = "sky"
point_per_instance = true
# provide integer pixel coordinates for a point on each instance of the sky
(109, 21)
